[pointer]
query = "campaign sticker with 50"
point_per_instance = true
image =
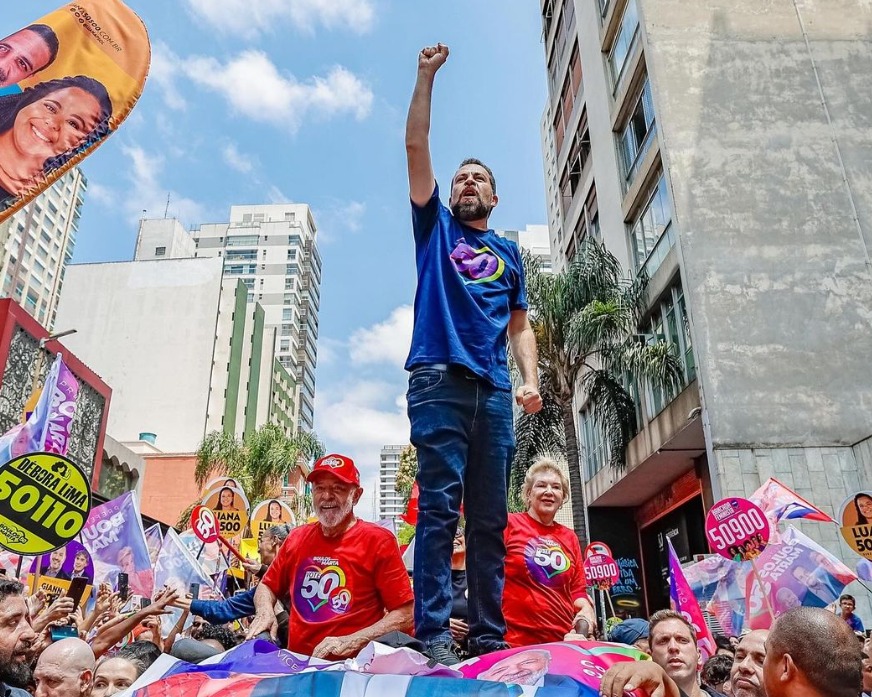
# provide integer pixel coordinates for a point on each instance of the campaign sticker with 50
(44, 503)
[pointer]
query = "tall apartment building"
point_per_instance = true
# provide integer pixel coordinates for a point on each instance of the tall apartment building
(38, 244)
(533, 238)
(272, 250)
(721, 148)
(186, 352)
(390, 503)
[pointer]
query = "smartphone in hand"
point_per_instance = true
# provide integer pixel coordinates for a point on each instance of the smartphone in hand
(77, 589)
(123, 586)
(195, 591)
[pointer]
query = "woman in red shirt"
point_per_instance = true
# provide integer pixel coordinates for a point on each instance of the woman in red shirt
(545, 591)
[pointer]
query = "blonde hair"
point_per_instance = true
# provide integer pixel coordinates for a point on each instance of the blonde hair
(546, 463)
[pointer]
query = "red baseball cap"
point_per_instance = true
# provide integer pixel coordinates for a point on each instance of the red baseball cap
(339, 466)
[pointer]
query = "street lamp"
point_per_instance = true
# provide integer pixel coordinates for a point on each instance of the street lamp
(53, 337)
(41, 355)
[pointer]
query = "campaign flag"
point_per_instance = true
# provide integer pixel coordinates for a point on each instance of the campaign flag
(177, 568)
(209, 555)
(90, 58)
(795, 571)
(781, 503)
(49, 425)
(115, 538)
(560, 669)
(684, 602)
(153, 540)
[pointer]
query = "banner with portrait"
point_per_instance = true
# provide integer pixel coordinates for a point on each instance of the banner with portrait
(115, 538)
(54, 588)
(177, 568)
(268, 513)
(67, 81)
(65, 563)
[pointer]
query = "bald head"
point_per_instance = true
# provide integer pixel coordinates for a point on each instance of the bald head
(812, 652)
(65, 669)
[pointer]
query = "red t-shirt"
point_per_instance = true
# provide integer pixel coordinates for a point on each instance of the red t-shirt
(338, 586)
(544, 578)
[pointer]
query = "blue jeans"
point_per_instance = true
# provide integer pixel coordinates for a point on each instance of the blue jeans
(463, 431)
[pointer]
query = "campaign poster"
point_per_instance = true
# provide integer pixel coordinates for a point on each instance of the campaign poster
(54, 588)
(66, 563)
(856, 520)
(268, 513)
(115, 538)
(67, 81)
(230, 506)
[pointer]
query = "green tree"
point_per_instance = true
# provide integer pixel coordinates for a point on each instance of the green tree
(406, 472)
(260, 460)
(586, 322)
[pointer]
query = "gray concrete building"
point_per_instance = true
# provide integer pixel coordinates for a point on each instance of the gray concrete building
(724, 148)
(390, 502)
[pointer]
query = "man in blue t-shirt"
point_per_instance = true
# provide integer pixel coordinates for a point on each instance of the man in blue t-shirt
(469, 303)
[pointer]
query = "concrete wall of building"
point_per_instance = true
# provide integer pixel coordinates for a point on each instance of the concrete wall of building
(166, 234)
(774, 262)
(148, 329)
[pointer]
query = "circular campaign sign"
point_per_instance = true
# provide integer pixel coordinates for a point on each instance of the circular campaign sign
(597, 548)
(268, 513)
(230, 507)
(204, 525)
(44, 503)
(856, 519)
(737, 529)
(601, 571)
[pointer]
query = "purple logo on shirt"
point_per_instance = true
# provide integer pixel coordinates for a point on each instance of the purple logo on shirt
(546, 561)
(476, 265)
(320, 591)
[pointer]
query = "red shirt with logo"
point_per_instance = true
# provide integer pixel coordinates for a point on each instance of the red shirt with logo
(340, 585)
(544, 578)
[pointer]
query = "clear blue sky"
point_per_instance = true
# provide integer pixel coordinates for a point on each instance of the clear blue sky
(258, 101)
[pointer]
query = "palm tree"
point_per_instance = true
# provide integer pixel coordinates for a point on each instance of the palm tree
(260, 460)
(585, 320)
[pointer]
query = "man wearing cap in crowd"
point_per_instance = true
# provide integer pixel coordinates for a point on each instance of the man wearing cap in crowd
(632, 632)
(345, 577)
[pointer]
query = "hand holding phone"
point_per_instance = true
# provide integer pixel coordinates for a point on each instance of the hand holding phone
(77, 589)
(195, 591)
(63, 632)
(123, 586)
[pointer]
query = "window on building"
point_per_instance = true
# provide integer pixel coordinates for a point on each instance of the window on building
(579, 155)
(246, 217)
(287, 314)
(292, 254)
(595, 448)
(624, 42)
(290, 216)
(637, 133)
(241, 255)
(285, 345)
(653, 223)
(160, 251)
(287, 329)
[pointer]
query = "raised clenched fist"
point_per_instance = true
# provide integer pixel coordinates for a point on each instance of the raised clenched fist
(432, 58)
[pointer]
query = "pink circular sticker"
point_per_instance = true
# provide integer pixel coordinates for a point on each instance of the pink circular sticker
(737, 529)
(597, 548)
(601, 571)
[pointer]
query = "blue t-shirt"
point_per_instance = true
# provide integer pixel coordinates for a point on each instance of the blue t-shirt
(469, 282)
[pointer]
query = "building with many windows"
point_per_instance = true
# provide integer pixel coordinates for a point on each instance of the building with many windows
(37, 244)
(390, 503)
(273, 251)
(721, 149)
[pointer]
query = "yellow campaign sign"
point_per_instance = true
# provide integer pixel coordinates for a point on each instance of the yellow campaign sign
(856, 519)
(269, 513)
(44, 503)
(230, 507)
(56, 587)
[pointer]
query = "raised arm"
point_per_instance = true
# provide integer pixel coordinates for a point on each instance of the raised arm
(421, 178)
(523, 344)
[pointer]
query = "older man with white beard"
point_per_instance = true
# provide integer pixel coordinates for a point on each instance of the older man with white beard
(345, 577)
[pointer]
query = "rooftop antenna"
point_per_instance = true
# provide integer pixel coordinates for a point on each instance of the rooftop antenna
(167, 209)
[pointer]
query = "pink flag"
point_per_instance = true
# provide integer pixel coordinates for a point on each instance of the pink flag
(684, 601)
(780, 503)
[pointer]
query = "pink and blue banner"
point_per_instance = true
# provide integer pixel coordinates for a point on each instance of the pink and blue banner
(684, 602)
(49, 425)
(177, 568)
(781, 503)
(115, 538)
(257, 669)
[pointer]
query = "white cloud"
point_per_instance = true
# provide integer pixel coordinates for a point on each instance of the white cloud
(385, 342)
(237, 160)
(252, 18)
(163, 72)
(147, 194)
(357, 419)
(341, 215)
(255, 88)
(275, 195)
